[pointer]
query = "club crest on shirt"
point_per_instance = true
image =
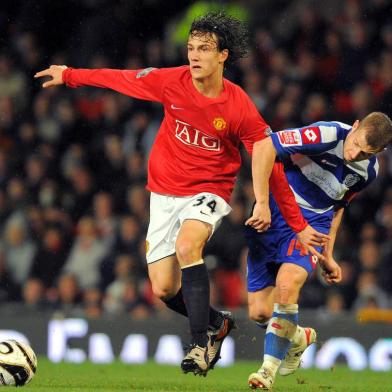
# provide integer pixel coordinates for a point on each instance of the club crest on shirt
(351, 179)
(193, 137)
(144, 72)
(219, 123)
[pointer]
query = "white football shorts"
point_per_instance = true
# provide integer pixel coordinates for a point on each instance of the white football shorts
(167, 213)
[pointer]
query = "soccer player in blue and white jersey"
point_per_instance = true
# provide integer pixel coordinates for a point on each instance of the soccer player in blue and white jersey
(326, 164)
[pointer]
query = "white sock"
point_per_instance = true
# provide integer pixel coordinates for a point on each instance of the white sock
(271, 363)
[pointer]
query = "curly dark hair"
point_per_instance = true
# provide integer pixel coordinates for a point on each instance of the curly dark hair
(231, 32)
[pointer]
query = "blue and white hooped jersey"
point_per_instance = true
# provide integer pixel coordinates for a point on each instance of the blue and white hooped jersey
(315, 168)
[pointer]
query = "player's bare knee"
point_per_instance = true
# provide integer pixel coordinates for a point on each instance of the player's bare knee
(187, 251)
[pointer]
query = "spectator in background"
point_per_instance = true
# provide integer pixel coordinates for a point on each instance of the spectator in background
(13, 83)
(128, 236)
(5, 209)
(27, 141)
(35, 175)
(139, 134)
(69, 122)
(78, 199)
(19, 250)
(5, 167)
(48, 194)
(254, 86)
(36, 222)
(334, 305)
(369, 257)
(124, 270)
(7, 121)
(126, 242)
(316, 108)
(347, 286)
(112, 176)
(17, 196)
(50, 257)
(329, 63)
(136, 169)
(137, 200)
(355, 52)
(9, 291)
(86, 254)
(369, 232)
(135, 306)
(68, 302)
(48, 127)
(362, 100)
(73, 157)
(28, 51)
(92, 303)
(34, 296)
(105, 220)
(370, 294)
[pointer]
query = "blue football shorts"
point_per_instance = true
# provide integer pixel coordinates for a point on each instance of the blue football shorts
(278, 245)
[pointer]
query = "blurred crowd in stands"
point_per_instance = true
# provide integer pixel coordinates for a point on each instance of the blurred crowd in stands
(73, 204)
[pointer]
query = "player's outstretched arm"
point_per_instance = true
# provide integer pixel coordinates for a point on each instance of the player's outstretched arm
(144, 84)
(55, 72)
(263, 158)
(332, 273)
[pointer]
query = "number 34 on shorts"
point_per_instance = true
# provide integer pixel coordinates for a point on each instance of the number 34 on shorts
(201, 201)
(208, 207)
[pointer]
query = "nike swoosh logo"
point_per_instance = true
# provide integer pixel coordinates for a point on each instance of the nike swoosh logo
(175, 107)
(201, 212)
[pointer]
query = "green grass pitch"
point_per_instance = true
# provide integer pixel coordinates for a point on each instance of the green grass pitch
(152, 377)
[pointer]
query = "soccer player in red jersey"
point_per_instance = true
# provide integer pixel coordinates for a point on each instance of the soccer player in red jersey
(192, 169)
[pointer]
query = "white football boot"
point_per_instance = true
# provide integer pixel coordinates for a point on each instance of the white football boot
(292, 360)
(263, 379)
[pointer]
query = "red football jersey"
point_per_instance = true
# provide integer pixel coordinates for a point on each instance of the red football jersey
(197, 146)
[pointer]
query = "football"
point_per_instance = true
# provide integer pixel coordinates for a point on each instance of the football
(18, 363)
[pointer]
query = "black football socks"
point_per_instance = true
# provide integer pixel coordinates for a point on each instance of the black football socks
(196, 293)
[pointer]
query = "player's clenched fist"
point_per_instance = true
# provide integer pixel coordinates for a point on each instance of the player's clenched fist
(56, 74)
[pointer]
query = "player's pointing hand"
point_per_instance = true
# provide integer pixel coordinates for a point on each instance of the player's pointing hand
(56, 74)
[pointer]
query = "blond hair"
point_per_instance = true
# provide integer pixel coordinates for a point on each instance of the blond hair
(378, 130)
